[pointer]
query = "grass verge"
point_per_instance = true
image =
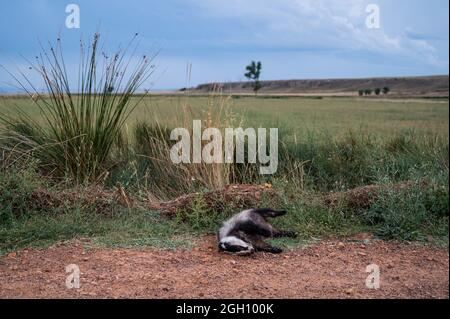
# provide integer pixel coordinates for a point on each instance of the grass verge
(412, 214)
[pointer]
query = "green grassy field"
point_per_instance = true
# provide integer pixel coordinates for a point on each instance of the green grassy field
(335, 116)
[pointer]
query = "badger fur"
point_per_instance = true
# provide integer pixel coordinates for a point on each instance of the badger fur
(244, 233)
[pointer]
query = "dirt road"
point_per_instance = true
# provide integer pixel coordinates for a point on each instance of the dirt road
(324, 270)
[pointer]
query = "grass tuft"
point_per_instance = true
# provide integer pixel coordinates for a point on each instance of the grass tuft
(79, 127)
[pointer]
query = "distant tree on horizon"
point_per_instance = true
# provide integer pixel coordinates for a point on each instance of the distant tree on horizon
(253, 73)
(368, 91)
(386, 90)
(377, 91)
(361, 92)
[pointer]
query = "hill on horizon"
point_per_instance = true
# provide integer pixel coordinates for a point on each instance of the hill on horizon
(432, 86)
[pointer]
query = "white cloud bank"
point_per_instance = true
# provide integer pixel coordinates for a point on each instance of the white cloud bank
(316, 25)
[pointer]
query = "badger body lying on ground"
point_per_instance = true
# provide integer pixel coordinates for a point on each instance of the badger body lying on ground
(244, 233)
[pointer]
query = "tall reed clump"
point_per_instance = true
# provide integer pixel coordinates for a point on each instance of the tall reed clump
(79, 128)
(152, 146)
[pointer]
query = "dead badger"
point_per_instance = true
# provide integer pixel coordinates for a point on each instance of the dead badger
(244, 233)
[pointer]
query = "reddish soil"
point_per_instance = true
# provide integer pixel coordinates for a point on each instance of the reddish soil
(325, 270)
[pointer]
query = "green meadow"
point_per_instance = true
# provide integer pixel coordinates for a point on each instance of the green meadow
(336, 116)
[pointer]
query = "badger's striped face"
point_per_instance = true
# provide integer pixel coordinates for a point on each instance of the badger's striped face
(235, 245)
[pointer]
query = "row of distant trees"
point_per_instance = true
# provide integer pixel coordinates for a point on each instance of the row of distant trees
(377, 91)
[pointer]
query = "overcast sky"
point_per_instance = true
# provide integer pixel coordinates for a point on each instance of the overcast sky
(294, 39)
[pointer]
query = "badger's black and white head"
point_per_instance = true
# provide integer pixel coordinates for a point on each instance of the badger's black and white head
(235, 245)
(227, 236)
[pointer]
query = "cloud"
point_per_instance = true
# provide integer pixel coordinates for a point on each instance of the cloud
(314, 25)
